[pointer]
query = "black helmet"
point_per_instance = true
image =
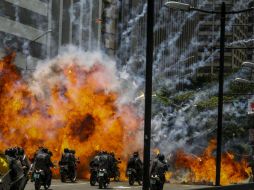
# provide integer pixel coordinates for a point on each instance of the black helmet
(12, 152)
(45, 150)
(161, 157)
(8, 152)
(66, 150)
(20, 151)
(136, 154)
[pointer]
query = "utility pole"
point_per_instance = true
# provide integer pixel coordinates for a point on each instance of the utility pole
(148, 93)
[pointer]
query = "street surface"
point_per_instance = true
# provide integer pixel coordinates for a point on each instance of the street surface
(85, 185)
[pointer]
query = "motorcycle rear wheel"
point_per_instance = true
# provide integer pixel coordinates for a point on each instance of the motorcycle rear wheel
(157, 186)
(117, 176)
(63, 178)
(100, 183)
(93, 180)
(131, 180)
(46, 187)
(74, 177)
(37, 185)
(105, 185)
(154, 187)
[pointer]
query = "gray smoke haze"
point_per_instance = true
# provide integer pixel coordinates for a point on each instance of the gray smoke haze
(175, 126)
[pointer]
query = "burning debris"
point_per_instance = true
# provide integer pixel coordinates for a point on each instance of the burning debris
(71, 101)
(202, 168)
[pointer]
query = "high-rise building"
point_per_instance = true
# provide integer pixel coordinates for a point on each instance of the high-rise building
(24, 27)
(77, 22)
(238, 28)
(184, 43)
(37, 29)
(251, 34)
(172, 35)
(110, 25)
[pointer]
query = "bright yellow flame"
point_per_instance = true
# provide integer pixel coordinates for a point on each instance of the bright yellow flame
(168, 175)
(4, 165)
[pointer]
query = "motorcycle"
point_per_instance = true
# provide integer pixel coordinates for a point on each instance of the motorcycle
(40, 179)
(103, 178)
(67, 172)
(93, 176)
(155, 182)
(132, 176)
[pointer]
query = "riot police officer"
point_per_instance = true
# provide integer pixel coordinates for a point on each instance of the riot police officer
(159, 168)
(42, 161)
(136, 164)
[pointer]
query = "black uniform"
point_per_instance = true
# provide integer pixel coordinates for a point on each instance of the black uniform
(69, 160)
(159, 167)
(16, 170)
(25, 163)
(135, 163)
(43, 162)
(95, 162)
(105, 162)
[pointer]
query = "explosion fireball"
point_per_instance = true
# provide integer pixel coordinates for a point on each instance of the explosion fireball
(76, 101)
(71, 101)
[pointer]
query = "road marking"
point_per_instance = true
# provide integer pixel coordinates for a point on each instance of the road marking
(68, 184)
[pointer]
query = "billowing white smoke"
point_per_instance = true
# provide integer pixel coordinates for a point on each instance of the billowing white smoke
(176, 125)
(48, 73)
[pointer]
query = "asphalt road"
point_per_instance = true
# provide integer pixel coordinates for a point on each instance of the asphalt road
(85, 185)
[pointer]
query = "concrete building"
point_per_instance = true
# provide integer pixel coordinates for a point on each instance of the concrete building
(119, 28)
(181, 42)
(131, 42)
(239, 28)
(77, 22)
(110, 25)
(37, 29)
(23, 28)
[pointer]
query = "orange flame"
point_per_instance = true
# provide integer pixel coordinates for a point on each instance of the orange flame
(75, 106)
(203, 168)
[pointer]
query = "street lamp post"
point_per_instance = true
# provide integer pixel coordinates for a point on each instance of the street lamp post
(222, 13)
(248, 64)
(220, 95)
